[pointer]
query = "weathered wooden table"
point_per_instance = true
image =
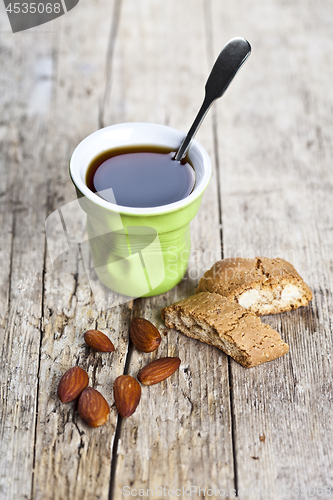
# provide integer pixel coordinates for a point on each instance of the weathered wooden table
(214, 424)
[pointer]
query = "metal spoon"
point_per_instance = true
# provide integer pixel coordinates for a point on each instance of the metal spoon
(231, 58)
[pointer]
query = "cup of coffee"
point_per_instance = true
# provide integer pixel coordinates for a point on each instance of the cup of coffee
(139, 203)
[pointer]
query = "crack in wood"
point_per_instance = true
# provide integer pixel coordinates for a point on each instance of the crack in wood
(10, 267)
(114, 455)
(109, 59)
(233, 425)
(41, 325)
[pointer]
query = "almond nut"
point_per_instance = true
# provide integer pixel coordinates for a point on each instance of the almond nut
(72, 384)
(127, 394)
(93, 408)
(158, 370)
(144, 335)
(98, 341)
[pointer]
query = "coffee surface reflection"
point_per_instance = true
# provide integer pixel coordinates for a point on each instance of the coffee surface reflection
(141, 176)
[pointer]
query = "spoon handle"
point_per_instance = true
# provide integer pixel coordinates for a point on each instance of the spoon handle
(231, 58)
(193, 130)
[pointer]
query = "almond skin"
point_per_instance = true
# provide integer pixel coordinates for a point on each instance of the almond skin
(93, 408)
(127, 394)
(98, 341)
(72, 383)
(158, 370)
(144, 335)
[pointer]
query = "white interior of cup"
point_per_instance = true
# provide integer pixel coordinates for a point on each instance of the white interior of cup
(130, 134)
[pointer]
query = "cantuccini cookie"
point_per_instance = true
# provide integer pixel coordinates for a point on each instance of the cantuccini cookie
(215, 320)
(261, 285)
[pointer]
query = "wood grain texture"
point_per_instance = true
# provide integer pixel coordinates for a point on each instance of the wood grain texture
(180, 434)
(276, 194)
(23, 246)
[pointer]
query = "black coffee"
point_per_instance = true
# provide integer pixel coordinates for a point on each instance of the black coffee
(141, 176)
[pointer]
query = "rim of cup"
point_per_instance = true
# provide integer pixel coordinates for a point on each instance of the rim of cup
(137, 133)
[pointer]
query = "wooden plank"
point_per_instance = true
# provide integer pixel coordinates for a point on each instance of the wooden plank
(276, 185)
(22, 249)
(73, 460)
(6, 211)
(180, 434)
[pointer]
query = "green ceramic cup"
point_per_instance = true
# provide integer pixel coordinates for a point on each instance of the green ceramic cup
(138, 252)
